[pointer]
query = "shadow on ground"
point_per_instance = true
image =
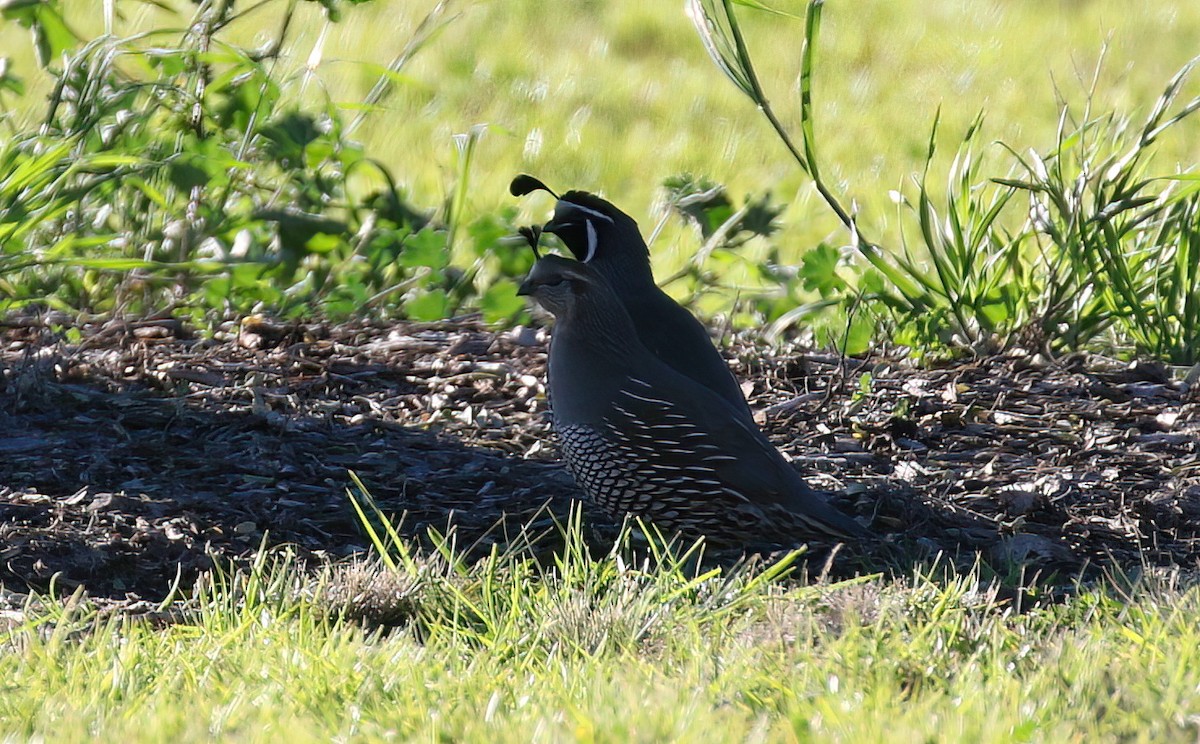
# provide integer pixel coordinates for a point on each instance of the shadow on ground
(138, 454)
(119, 490)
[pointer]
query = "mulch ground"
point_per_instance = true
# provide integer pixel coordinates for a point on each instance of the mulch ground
(136, 453)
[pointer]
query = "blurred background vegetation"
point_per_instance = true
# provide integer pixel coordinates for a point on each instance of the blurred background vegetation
(211, 159)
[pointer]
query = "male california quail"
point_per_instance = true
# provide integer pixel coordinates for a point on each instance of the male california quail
(641, 438)
(601, 235)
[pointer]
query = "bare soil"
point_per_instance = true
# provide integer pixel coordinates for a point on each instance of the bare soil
(137, 453)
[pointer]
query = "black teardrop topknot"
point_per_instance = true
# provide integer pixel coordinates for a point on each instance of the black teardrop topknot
(524, 184)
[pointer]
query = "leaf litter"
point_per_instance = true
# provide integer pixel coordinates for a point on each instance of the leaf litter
(138, 453)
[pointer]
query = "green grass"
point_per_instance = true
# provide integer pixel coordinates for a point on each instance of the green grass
(622, 96)
(616, 98)
(124, 196)
(604, 651)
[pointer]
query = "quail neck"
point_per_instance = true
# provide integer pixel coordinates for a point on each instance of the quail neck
(594, 338)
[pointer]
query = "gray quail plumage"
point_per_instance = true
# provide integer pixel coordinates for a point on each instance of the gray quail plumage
(641, 438)
(601, 235)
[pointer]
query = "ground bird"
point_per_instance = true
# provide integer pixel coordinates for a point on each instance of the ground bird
(604, 237)
(642, 438)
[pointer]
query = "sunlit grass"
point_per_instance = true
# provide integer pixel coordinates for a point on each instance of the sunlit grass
(616, 97)
(605, 651)
(622, 99)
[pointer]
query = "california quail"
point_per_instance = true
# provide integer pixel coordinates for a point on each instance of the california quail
(601, 235)
(641, 438)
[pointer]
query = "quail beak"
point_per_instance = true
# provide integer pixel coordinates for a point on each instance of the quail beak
(554, 227)
(526, 289)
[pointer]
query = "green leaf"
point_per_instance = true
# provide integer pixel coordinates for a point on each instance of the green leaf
(187, 172)
(51, 35)
(500, 302)
(217, 290)
(244, 276)
(9, 81)
(995, 310)
(23, 12)
(170, 62)
(428, 306)
(425, 248)
(385, 73)
(818, 269)
(488, 230)
(774, 11)
(857, 339)
(323, 243)
(289, 134)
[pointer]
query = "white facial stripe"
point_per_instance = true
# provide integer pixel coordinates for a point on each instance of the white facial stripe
(592, 212)
(591, 235)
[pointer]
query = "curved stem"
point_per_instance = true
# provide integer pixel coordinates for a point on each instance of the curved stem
(807, 159)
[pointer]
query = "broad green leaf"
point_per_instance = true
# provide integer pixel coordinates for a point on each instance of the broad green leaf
(818, 270)
(425, 248)
(500, 302)
(428, 306)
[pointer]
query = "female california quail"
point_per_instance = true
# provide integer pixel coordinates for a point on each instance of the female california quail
(601, 235)
(641, 438)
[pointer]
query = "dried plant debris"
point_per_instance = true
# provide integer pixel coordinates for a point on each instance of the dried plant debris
(138, 452)
(370, 593)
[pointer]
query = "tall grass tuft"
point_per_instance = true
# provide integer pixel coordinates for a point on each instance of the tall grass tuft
(512, 601)
(1104, 254)
(1116, 243)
